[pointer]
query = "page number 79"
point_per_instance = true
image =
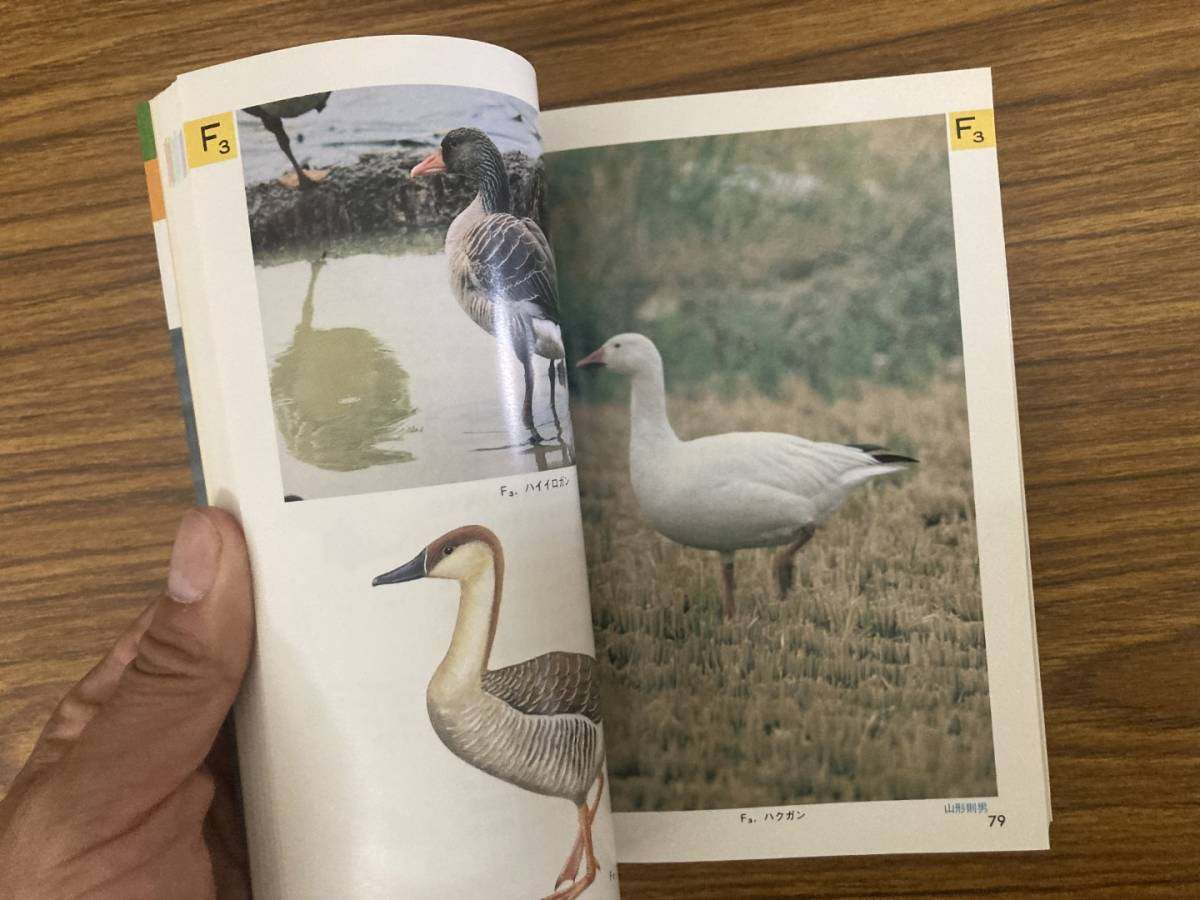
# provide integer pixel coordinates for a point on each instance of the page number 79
(996, 821)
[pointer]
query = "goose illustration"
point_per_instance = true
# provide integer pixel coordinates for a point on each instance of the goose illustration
(728, 492)
(501, 267)
(272, 116)
(535, 724)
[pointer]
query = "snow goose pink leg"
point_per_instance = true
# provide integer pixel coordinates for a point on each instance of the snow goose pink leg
(727, 578)
(785, 562)
(729, 492)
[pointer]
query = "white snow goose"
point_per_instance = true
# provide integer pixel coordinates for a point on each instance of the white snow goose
(729, 492)
(535, 724)
(272, 116)
(501, 267)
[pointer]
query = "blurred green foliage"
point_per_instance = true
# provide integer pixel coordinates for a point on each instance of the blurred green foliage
(823, 252)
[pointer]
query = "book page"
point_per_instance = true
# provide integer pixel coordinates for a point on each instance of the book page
(800, 469)
(374, 351)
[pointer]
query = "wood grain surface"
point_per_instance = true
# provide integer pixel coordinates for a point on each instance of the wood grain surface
(1096, 114)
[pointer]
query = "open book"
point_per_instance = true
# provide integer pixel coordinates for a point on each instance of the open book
(637, 482)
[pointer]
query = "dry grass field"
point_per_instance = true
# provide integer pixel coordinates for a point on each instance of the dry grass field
(869, 682)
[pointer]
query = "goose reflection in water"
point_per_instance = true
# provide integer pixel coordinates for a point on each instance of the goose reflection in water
(340, 395)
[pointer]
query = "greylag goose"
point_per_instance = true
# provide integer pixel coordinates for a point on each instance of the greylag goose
(272, 116)
(535, 724)
(501, 267)
(728, 492)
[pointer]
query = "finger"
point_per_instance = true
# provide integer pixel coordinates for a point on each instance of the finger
(224, 828)
(156, 728)
(81, 702)
(163, 856)
(181, 872)
(45, 857)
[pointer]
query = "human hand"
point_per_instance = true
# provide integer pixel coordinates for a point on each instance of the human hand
(129, 791)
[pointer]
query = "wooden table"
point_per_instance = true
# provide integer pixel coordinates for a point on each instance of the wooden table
(1096, 110)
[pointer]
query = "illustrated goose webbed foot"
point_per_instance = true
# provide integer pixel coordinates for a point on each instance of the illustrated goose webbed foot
(570, 869)
(582, 847)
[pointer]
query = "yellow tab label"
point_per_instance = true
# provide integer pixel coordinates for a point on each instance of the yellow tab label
(209, 140)
(973, 129)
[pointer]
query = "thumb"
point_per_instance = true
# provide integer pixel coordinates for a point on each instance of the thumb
(158, 726)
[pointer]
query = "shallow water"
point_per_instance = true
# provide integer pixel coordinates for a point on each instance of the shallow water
(380, 381)
(385, 119)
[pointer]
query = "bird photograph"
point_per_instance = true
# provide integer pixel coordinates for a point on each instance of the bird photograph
(732, 491)
(501, 266)
(775, 466)
(423, 221)
(534, 724)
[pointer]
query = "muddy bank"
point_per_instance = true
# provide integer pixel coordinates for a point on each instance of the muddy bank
(376, 196)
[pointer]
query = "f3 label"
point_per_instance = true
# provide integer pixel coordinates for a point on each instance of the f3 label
(210, 139)
(972, 129)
